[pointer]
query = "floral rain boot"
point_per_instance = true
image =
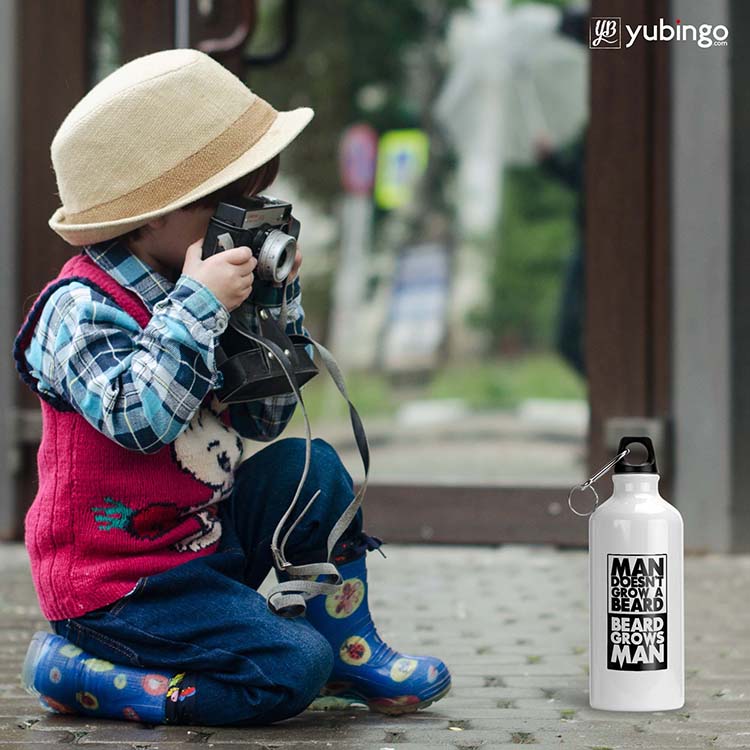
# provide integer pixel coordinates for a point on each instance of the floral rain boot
(68, 680)
(365, 668)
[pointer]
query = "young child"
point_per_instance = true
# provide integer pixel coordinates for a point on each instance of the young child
(149, 534)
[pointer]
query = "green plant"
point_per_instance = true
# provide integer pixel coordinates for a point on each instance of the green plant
(527, 261)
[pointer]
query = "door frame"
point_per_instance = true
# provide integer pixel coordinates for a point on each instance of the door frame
(628, 281)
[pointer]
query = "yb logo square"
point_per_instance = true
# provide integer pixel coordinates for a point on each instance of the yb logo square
(604, 33)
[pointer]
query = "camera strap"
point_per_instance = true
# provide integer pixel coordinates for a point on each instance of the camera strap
(288, 597)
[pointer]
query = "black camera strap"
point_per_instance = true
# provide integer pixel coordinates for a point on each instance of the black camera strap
(287, 598)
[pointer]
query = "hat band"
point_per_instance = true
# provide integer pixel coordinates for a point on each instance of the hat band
(241, 135)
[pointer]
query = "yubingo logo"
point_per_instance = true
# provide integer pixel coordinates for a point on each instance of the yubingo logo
(606, 33)
(637, 612)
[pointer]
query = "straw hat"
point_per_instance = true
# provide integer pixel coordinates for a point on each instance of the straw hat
(158, 133)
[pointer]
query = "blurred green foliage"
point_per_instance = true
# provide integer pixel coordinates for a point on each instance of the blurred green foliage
(493, 384)
(105, 39)
(558, 3)
(505, 384)
(527, 261)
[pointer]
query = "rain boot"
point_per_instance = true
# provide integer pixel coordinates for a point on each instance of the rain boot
(68, 680)
(365, 668)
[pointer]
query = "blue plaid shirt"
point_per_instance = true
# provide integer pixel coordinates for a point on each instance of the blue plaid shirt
(142, 386)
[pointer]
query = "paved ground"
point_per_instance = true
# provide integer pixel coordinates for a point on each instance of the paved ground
(511, 623)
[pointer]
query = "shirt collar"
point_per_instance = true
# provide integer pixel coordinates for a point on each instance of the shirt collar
(114, 257)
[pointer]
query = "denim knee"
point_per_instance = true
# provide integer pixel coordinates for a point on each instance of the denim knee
(328, 465)
(323, 456)
(326, 471)
(302, 676)
(311, 669)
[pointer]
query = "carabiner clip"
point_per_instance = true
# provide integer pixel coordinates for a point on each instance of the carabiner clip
(589, 484)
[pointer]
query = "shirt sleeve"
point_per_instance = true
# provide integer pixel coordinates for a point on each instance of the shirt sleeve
(138, 386)
(266, 419)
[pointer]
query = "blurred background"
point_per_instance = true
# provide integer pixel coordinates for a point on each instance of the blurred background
(518, 247)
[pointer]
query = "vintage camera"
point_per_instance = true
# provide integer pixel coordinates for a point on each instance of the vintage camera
(263, 224)
(260, 363)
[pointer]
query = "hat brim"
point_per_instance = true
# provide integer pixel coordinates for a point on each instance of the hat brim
(285, 128)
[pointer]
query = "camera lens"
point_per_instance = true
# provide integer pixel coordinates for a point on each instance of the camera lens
(276, 256)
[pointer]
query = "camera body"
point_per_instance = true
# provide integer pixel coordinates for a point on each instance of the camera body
(257, 364)
(263, 224)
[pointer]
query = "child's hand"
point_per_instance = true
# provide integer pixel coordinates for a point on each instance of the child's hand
(228, 274)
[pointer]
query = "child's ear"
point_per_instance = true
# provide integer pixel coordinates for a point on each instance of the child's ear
(157, 223)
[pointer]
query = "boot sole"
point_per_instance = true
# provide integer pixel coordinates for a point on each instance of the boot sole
(408, 708)
(36, 651)
(345, 701)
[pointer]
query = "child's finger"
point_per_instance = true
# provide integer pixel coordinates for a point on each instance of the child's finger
(249, 267)
(295, 267)
(195, 250)
(237, 255)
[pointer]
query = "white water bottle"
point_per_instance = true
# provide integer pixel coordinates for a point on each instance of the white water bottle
(636, 650)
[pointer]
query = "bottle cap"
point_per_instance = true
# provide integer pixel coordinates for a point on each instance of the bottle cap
(626, 466)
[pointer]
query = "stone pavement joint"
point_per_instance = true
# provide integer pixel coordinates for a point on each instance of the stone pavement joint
(511, 622)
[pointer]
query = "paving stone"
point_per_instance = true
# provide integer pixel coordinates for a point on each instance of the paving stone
(16, 735)
(739, 739)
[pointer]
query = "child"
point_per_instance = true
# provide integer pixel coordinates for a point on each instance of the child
(149, 535)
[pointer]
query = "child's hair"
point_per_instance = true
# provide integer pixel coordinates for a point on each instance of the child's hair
(250, 184)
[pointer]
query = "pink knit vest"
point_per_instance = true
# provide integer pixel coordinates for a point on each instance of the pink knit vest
(105, 516)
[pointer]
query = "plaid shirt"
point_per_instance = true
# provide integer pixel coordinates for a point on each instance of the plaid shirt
(141, 387)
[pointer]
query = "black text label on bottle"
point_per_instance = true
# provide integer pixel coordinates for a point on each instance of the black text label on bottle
(637, 612)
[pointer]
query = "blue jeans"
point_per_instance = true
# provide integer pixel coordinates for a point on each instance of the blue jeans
(205, 618)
